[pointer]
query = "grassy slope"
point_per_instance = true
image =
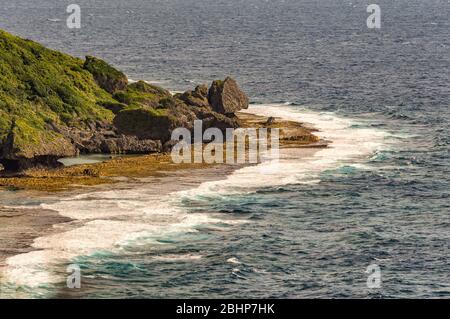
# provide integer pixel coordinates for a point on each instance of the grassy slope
(38, 85)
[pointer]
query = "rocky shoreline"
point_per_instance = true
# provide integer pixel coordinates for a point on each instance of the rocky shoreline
(53, 105)
(292, 135)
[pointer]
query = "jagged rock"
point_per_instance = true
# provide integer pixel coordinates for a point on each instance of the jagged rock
(155, 124)
(214, 119)
(226, 97)
(141, 93)
(130, 144)
(21, 150)
(168, 146)
(197, 97)
(88, 140)
(107, 77)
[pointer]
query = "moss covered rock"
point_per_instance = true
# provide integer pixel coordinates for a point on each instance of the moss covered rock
(197, 97)
(40, 86)
(142, 93)
(106, 76)
(53, 105)
(155, 123)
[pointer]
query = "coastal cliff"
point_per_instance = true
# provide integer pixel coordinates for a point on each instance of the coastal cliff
(53, 105)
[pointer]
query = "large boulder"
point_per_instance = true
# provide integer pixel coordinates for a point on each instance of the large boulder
(226, 97)
(107, 77)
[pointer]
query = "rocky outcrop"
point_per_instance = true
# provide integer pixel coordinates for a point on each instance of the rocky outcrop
(130, 145)
(20, 152)
(53, 105)
(226, 97)
(107, 77)
(197, 97)
(102, 137)
(155, 124)
(214, 119)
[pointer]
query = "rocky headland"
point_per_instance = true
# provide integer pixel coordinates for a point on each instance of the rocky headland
(53, 105)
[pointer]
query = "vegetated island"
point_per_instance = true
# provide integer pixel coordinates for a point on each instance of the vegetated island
(53, 106)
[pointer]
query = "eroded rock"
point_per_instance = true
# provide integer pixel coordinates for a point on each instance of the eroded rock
(226, 97)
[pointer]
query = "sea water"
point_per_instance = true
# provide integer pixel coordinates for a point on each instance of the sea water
(307, 226)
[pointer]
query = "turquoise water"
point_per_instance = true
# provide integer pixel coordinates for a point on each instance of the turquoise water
(308, 228)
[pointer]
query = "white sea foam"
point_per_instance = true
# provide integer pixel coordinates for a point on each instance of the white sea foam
(116, 219)
(349, 145)
(233, 260)
(182, 257)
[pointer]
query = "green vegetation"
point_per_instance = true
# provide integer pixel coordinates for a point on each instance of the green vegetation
(100, 68)
(40, 86)
(105, 75)
(41, 89)
(146, 123)
(142, 93)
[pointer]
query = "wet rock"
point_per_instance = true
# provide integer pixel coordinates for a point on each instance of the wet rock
(197, 97)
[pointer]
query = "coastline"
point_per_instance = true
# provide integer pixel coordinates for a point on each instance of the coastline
(292, 135)
(156, 172)
(148, 213)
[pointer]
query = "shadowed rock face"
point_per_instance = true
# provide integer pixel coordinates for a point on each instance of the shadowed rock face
(15, 156)
(103, 137)
(213, 119)
(20, 164)
(155, 124)
(198, 97)
(226, 97)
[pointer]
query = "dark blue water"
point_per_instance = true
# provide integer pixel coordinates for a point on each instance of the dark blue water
(309, 239)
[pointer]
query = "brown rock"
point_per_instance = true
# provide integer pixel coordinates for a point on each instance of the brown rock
(226, 97)
(198, 97)
(130, 145)
(155, 124)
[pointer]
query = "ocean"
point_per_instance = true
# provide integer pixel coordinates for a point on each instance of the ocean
(311, 225)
